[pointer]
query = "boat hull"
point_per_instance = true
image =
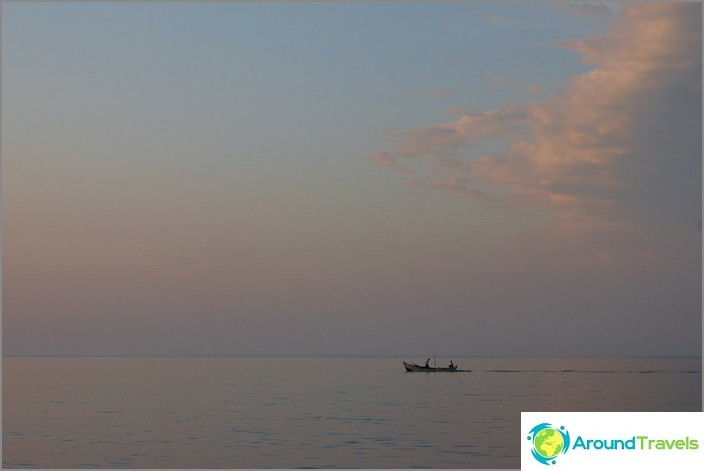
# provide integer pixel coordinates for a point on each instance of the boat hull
(413, 368)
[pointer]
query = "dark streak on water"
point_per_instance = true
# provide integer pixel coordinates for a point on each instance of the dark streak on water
(596, 371)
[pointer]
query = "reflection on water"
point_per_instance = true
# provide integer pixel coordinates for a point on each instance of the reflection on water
(310, 412)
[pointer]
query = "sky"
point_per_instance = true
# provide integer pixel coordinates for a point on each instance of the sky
(459, 179)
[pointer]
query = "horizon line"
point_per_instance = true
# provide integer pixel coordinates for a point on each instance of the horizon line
(81, 355)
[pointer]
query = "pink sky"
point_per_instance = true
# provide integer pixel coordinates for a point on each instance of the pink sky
(159, 208)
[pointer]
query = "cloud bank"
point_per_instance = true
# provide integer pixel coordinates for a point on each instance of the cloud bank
(617, 145)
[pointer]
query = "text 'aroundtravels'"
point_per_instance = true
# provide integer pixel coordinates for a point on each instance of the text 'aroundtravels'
(640, 442)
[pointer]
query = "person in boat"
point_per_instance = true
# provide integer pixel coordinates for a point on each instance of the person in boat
(427, 363)
(452, 365)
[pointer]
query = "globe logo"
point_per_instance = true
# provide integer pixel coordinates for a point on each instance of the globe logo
(548, 442)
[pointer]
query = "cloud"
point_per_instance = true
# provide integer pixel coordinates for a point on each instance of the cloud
(596, 151)
(650, 46)
(468, 130)
(618, 148)
(496, 81)
(438, 92)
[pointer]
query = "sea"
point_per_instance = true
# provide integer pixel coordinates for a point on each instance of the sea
(312, 412)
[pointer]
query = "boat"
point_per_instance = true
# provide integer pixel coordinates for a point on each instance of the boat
(412, 367)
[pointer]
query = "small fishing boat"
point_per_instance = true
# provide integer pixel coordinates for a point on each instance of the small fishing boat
(412, 367)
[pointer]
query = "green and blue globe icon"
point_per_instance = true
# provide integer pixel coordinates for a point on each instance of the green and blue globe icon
(549, 442)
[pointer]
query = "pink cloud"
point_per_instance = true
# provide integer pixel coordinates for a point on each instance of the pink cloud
(576, 152)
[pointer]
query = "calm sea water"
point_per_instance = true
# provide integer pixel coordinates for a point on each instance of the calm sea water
(310, 412)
